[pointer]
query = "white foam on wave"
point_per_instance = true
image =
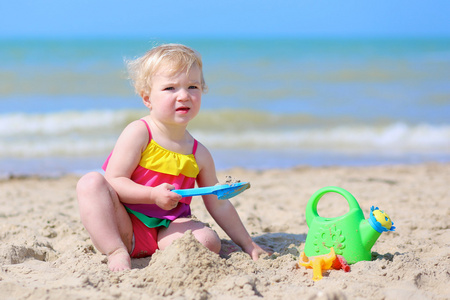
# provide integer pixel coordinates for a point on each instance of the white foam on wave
(69, 133)
(77, 134)
(397, 137)
(60, 123)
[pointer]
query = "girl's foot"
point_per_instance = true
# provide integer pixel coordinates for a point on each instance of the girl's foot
(119, 260)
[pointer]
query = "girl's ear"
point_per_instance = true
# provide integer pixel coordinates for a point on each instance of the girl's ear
(146, 99)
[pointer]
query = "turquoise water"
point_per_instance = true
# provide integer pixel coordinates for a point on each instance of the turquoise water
(271, 102)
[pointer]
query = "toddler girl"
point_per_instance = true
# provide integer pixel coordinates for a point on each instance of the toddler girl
(131, 210)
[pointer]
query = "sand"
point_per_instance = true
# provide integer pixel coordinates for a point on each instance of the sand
(45, 253)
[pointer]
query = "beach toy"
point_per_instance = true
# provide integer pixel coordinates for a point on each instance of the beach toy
(350, 235)
(223, 191)
(323, 262)
(340, 263)
(318, 263)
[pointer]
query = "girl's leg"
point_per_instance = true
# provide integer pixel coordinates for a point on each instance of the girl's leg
(106, 220)
(178, 227)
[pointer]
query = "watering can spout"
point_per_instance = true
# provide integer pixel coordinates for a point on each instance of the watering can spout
(380, 221)
(374, 226)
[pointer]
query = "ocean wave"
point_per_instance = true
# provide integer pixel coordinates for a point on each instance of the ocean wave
(77, 134)
(397, 137)
(60, 123)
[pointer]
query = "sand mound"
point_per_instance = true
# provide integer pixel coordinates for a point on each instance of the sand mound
(186, 265)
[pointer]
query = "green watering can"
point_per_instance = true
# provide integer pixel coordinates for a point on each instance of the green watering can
(350, 235)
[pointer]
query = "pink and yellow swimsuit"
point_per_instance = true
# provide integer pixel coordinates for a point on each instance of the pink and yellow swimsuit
(159, 165)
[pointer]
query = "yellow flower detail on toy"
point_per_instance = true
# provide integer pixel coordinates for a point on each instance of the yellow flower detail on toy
(382, 218)
(380, 221)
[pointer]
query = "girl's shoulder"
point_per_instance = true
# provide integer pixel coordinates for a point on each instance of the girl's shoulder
(207, 170)
(138, 127)
(139, 124)
(136, 132)
(203, 156)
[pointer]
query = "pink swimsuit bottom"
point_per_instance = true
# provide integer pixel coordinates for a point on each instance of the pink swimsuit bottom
(145, 239)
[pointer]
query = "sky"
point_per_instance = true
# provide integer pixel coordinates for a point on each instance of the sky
(234, 18)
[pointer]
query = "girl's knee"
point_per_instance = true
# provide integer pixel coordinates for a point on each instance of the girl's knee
(208, 238)
(90, 182)
(205, 235)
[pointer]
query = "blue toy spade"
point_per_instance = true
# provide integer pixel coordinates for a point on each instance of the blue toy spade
(223, 192)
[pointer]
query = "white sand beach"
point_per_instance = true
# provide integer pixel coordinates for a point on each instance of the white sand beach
(45, 253)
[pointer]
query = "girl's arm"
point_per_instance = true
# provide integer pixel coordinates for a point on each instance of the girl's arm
(223, 211)
(124, 160)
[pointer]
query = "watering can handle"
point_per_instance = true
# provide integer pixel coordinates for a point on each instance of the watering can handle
(311, 207)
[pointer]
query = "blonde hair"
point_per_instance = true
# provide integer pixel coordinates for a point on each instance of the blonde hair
(175, 57)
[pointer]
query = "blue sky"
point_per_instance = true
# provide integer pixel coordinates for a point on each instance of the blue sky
(235, 18)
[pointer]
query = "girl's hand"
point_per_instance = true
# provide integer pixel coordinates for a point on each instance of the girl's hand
(255, 251)
(164, 197)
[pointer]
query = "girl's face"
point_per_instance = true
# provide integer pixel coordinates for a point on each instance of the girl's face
(175, 99)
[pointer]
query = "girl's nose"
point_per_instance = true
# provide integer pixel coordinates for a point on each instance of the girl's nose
(183, 95)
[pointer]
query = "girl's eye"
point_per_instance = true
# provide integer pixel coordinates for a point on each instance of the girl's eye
(193, 87)
(168, 88)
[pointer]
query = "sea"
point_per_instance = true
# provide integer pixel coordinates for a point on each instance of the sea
(271, 102)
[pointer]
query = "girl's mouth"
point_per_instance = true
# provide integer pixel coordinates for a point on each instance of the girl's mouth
(183, 109)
